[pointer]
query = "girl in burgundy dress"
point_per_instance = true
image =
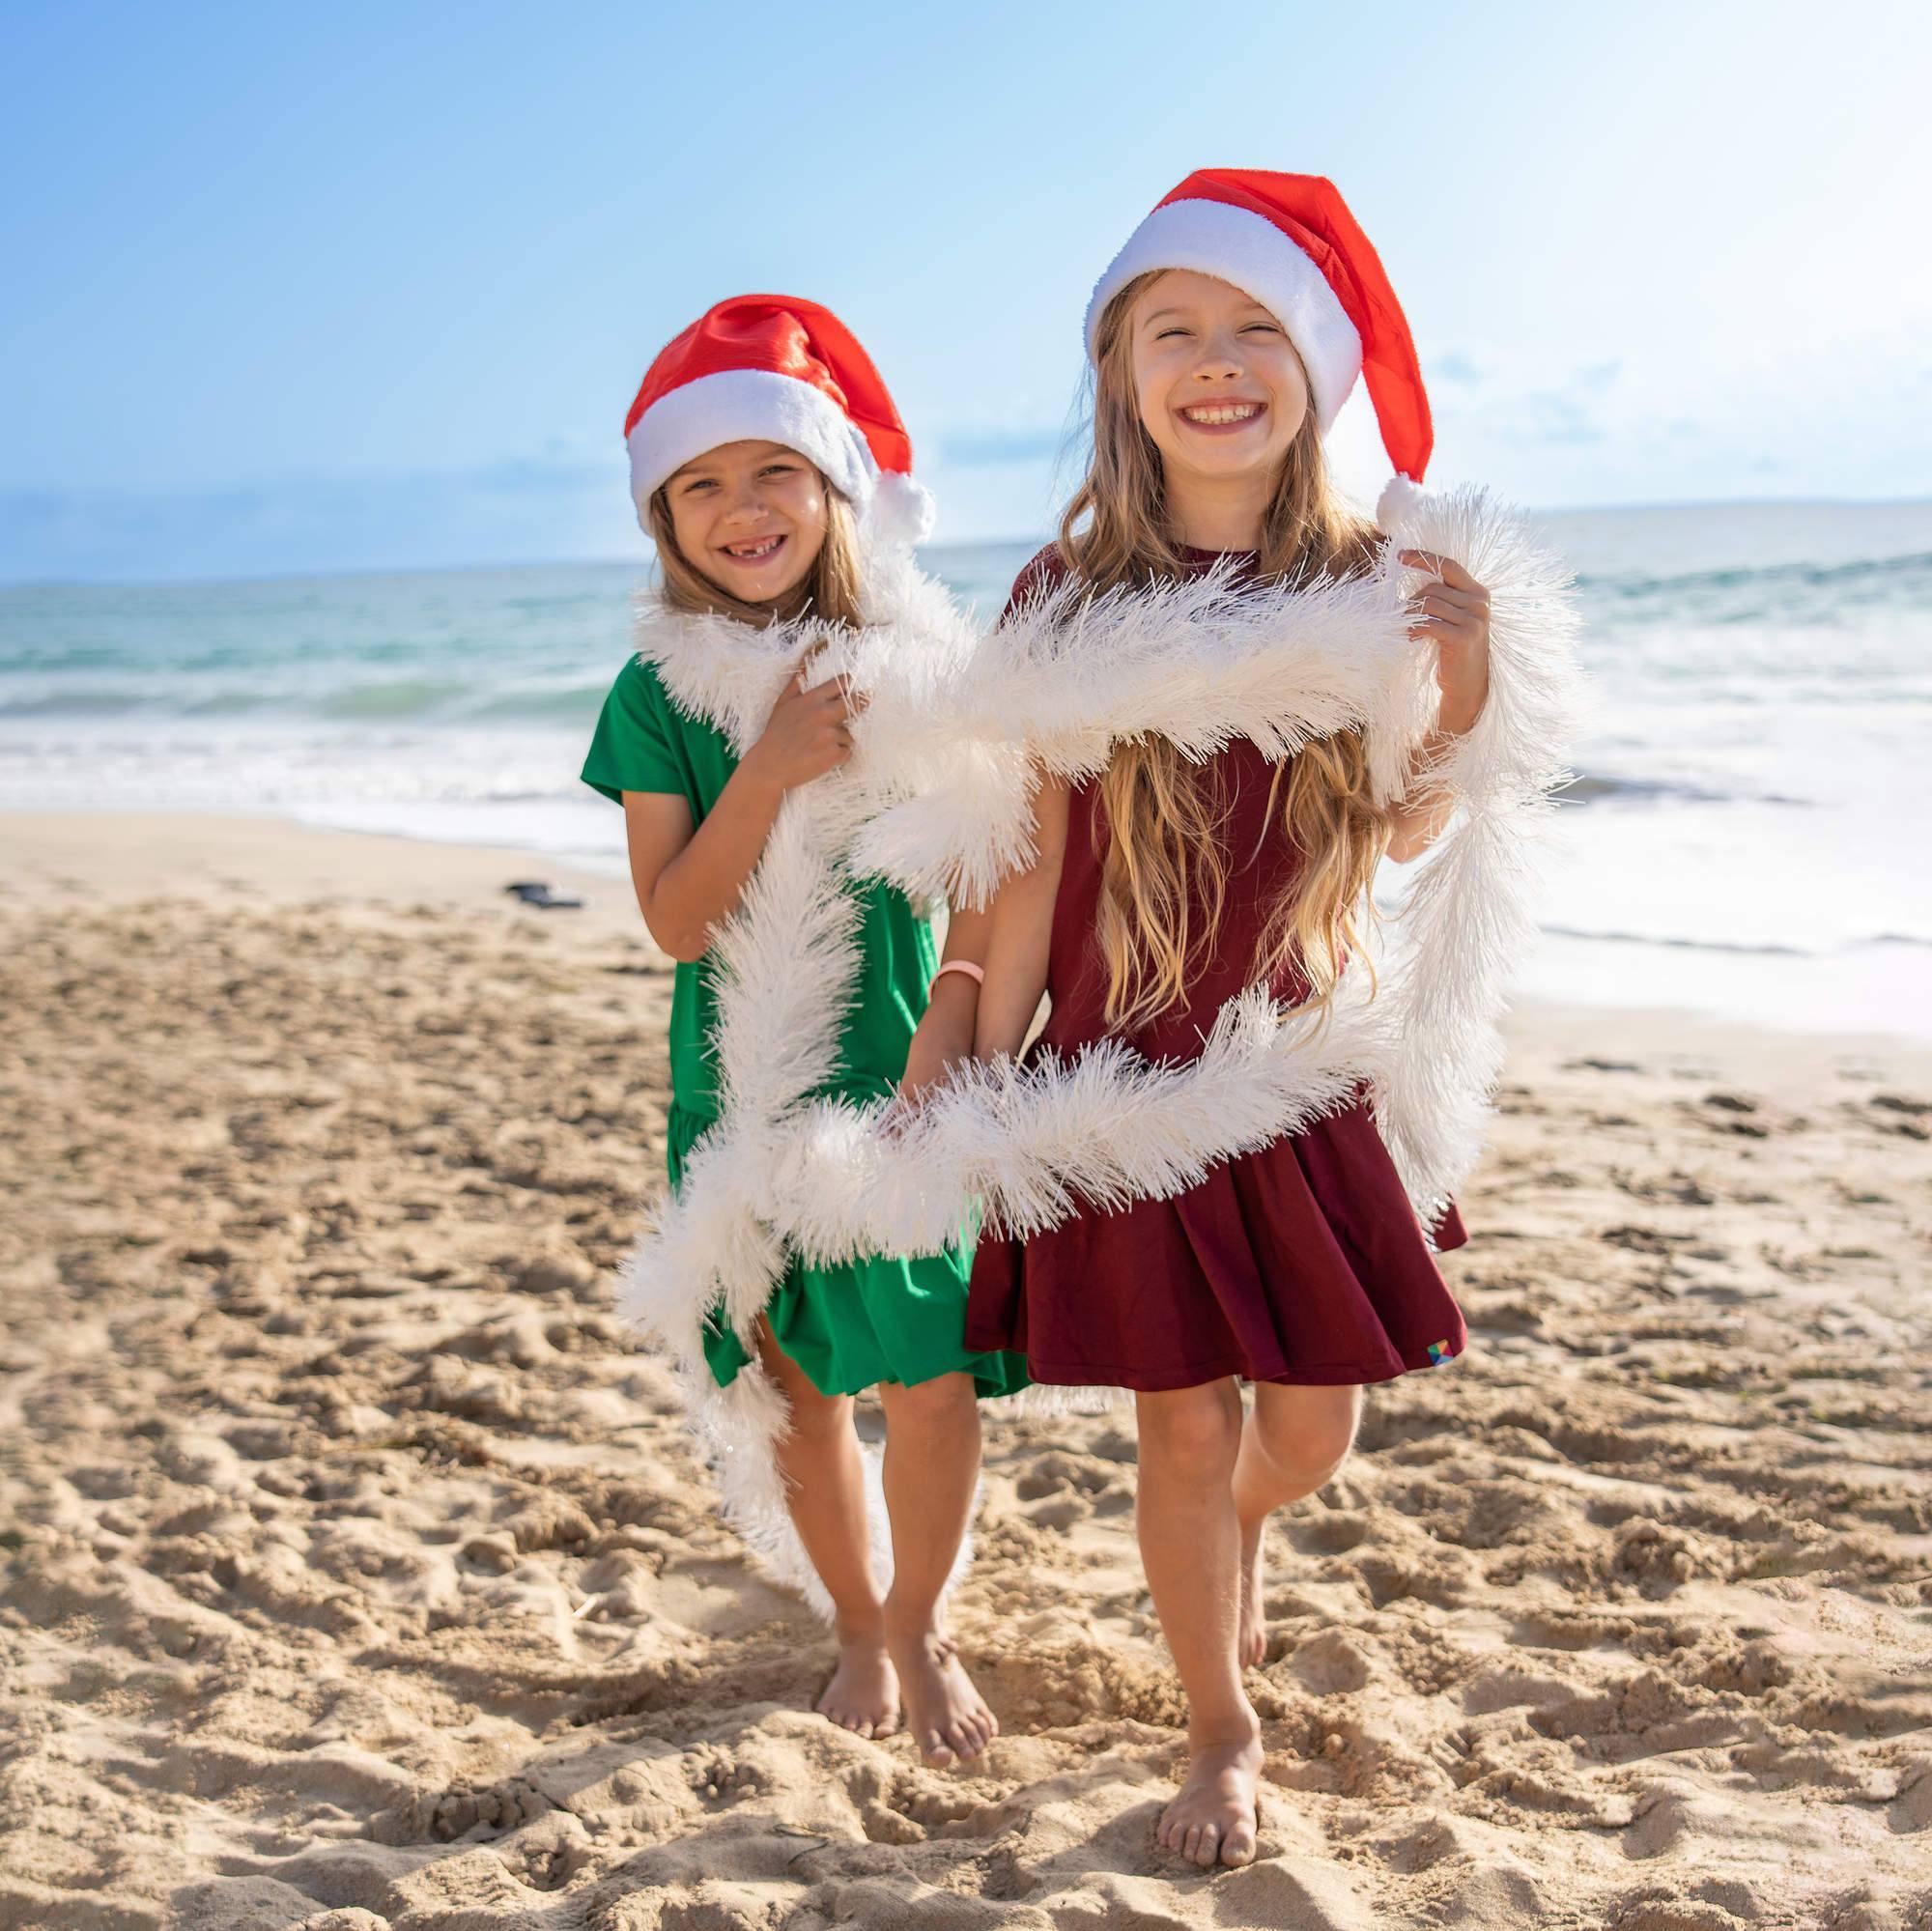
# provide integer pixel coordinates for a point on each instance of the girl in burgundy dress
(1224, 338)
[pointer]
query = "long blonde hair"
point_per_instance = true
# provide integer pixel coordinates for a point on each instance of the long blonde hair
(829, 589)
(1165, 849)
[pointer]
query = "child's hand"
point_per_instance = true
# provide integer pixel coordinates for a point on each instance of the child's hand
(1455, 611)
(809, 731)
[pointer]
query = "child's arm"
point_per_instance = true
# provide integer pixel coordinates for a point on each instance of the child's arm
(688, 881)
(1022, 931)
(1417, 823)
(1452, 610)
(944, 1033)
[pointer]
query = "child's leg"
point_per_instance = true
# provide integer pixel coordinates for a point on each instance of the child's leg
(1190, 1542)
(1294, 1440)
(932, 1463)
(825, 1491)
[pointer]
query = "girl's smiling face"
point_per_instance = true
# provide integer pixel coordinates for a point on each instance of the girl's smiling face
(1219, 386)
(749, 516)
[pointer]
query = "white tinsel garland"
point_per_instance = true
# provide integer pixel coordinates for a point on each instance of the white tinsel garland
(1027, 1145)
(935, 798)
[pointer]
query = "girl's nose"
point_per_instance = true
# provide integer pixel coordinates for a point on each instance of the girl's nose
(1219, 360)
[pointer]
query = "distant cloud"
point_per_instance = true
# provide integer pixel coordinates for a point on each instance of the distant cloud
(1557, 415)
(504, 512)
(1566, 413)
(1474, 398)
(536, 510)
(1456, 368)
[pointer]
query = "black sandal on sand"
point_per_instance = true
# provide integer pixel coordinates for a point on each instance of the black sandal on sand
(537, 893)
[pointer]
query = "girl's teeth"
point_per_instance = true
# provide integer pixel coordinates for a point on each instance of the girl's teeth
(1224, 412)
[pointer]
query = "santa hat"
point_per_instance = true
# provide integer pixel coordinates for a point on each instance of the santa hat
(774, 369)
(1288, 240)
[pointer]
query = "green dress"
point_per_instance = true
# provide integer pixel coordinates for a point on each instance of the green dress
(870, 1321)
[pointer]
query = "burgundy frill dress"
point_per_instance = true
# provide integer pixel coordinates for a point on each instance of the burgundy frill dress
(1303, 1263)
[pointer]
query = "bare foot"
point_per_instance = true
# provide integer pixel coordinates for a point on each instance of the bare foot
(864, 1693)
(1251, 1642)
(1212, 1821)
(945, 1716)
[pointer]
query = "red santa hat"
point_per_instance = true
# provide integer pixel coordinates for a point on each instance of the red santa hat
(1288, 240)
(771, 368)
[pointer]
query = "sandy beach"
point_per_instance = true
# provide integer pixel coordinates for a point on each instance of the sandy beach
(359, 1573)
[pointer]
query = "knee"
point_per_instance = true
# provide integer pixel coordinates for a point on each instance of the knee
(816, 1419)
(1193, 1433)
(945, 1401)
(1309, 1442)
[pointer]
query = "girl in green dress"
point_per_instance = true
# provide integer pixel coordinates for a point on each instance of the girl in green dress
(772, 471)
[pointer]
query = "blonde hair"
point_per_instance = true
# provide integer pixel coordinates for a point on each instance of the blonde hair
(829, 589)
(1165, 850)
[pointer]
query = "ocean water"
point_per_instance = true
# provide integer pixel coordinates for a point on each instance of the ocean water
(1746, 834)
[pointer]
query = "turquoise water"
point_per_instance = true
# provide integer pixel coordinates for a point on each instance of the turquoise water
(1746, 834)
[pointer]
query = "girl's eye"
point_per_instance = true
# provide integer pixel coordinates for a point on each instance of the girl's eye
(1273, 328)
(691, 488)
(780, 468)
(1161, 335)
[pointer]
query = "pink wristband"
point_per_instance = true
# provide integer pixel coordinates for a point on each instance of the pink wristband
(978, 974)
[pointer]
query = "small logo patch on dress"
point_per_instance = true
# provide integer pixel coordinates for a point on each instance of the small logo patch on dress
(1438, 1352)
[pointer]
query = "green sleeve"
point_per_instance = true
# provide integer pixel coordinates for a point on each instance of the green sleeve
(636, 745)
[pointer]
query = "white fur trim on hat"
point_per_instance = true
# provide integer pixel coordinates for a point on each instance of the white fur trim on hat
(1214, 238)
(743, 406)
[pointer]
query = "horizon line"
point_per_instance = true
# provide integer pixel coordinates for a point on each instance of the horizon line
(532, 563)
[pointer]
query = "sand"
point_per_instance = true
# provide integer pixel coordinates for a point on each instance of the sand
(359, 1573)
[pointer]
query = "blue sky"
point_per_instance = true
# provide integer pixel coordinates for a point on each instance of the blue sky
(369, 287)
